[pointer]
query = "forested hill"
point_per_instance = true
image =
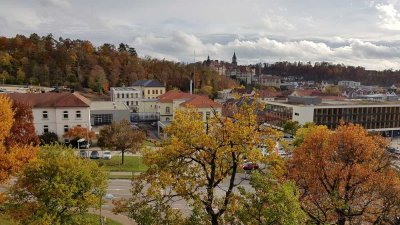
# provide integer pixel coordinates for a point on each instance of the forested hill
(323, 71)
(79, 64)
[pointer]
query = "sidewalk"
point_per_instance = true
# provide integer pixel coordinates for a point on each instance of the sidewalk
(117, 217)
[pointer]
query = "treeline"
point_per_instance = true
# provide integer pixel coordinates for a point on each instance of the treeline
(324, 71)
(79, 64)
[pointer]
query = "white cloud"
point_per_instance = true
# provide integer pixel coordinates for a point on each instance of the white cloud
(390, 17)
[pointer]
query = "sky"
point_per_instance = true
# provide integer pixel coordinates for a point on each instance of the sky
(352, 32)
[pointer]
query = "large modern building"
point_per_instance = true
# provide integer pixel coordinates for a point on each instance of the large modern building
(373, 115)
(56, 112)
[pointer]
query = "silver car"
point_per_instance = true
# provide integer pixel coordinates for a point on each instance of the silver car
(106, 155)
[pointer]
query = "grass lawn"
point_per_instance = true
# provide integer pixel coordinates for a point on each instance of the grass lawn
(148, 143)
(119, 176)
(131, 164)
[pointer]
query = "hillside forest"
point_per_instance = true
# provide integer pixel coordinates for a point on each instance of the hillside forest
(78, 64)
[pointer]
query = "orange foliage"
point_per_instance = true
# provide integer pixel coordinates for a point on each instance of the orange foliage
(345, 176)
(80, 132)
(12, 157)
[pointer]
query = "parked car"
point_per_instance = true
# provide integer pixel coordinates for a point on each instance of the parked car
(106, 155)
(250, 166)
(82, 153)
(153, 124)
(94, 155)
(78, 143)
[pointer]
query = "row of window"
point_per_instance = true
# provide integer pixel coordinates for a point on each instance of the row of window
(155, 92)
(131, 103)
(127, 95)
(78, 114)
(46, 128)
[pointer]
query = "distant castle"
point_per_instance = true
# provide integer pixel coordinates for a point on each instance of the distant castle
(243, 73)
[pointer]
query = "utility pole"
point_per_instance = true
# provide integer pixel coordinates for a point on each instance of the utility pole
(194, 71)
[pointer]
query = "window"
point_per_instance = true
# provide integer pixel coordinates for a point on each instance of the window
(148, 92)
(167, 110)
(153, 92)
(66, 128)
(167, 119)
(131, 95)
(161, 92)
(208, 115)
(127, 103)
(296, 114)
(65, 113)
(123, 95)
(136, 95)
(118, 95)
(45, 115)
(78, 114)
(156, 92)
(45, 129)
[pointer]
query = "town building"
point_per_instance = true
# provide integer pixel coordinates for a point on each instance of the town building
(150, 89)
(380, 116)
(130, 96)
(270, 81)
(174, 100)
(348, 83)
(106, 112)
(56, 112)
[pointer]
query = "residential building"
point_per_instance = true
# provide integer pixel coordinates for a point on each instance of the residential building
(348, 83)
(174, 100)
(150, 89)
(372, 115)
(106, 112)
(130, 96)
(270, 81)
(56, 112)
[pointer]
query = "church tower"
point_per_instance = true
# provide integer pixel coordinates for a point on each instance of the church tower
(234, 62)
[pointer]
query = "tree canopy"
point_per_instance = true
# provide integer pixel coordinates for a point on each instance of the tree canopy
(345, 176)
(56, 188)
(194, 162)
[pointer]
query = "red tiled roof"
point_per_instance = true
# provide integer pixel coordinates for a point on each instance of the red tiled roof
(201, 102)
(197, 101)
(267, 93)
(174, 94)
(42, 100)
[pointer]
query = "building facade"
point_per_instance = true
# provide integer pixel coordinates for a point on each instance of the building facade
(56, 112)
(127, 95)
(105, 112)
(150, 89)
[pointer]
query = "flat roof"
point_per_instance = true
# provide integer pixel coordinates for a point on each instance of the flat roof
(346, 102)
(124, 88)
(108, 105)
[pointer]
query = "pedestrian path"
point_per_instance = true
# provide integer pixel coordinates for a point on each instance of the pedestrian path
(117, 217)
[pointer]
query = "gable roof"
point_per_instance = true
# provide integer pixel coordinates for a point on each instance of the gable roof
(51, 99)
(197, 101)
(174, 94)
(201, 102)
(148, 83)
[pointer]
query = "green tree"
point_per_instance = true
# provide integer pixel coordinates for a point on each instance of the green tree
(48, 138)
(20, 76)
(271, 202)
(291, 127)
(192, 164)
(57, 188)
(122, 137)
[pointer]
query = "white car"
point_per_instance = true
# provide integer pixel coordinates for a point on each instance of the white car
(106, 155)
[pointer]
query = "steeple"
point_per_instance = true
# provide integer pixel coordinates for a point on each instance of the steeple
(234, 62)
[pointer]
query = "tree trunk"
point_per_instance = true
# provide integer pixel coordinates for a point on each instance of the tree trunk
(341, 220)
(214, 219)
(123, 153)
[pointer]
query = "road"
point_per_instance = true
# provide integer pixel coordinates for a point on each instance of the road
(120, 188)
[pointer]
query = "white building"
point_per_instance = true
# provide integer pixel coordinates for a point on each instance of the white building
(350, 84)
(106, 112)
(130, 96)
(56, 112)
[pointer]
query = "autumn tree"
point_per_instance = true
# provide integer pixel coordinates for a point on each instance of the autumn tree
(345, 177)
(271, 202)
(12, 157)
(22, 131)
(192, 165)
(56, 188)
(48, 138)
(121, 136)
(78, 132)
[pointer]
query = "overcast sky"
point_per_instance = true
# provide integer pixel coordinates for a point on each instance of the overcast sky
(353, 32)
